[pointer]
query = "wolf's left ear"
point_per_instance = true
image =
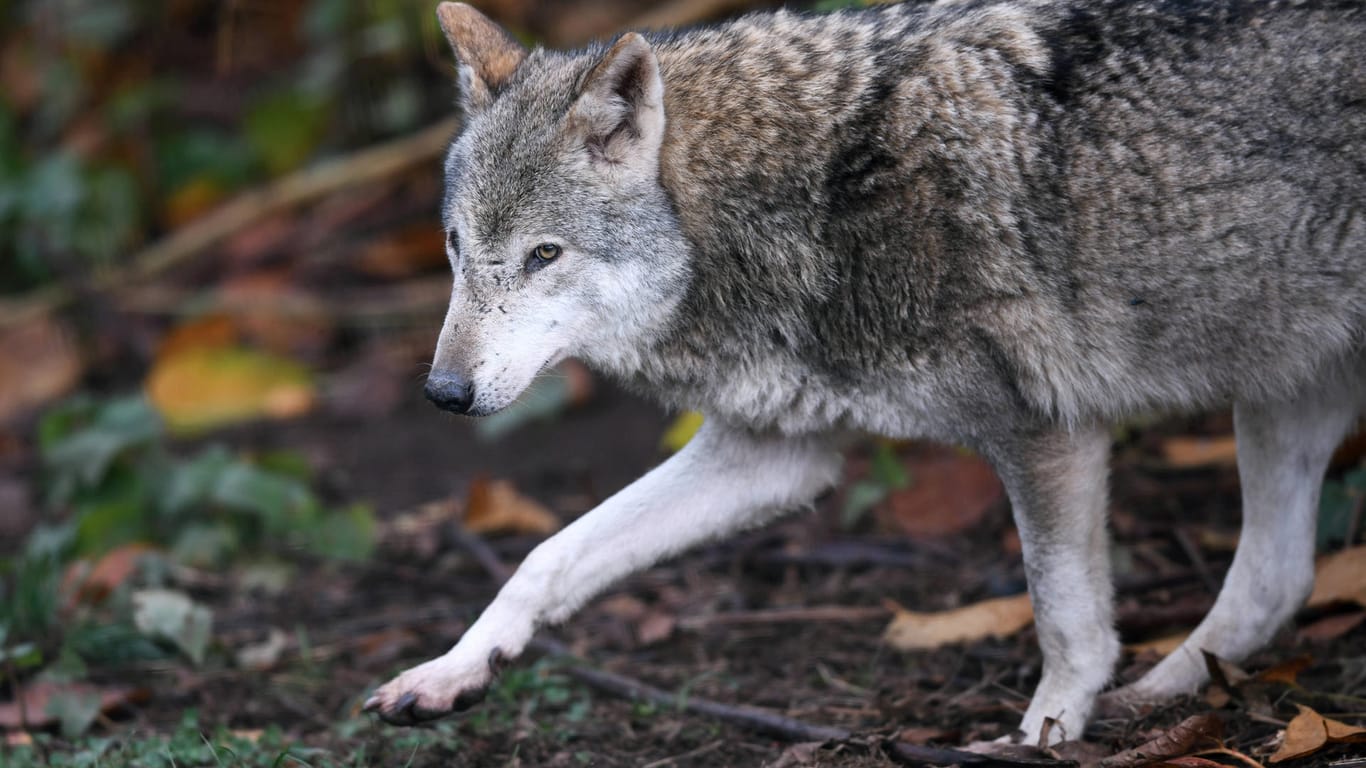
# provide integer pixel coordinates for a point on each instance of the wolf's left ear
(486, 55)
(619, 113)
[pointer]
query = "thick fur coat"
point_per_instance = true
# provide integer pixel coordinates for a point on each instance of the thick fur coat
(1004, 224)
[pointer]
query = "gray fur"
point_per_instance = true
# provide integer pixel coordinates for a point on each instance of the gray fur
(1003, 224)
(932, 221)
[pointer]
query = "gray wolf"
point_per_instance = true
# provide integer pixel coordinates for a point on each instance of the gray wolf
(1005, 224)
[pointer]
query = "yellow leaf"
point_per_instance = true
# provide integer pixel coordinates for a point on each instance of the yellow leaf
(681, 431)
(1184, 451)
(999, 617)
(1340, 578)
(205, 387)
(497, 507)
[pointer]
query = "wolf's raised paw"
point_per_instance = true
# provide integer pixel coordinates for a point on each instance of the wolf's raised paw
(430, 691)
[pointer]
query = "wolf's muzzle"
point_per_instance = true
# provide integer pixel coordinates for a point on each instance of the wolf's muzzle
(450, 391)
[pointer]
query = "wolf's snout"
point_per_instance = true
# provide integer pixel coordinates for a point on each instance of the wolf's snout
(450, 391)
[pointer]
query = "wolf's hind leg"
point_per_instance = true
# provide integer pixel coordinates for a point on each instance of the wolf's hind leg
(1283, 451)
(1057, 486)
(724, 480)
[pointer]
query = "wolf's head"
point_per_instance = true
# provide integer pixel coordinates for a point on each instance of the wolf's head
(561, 239)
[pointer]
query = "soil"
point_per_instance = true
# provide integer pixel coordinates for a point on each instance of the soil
(363, 623)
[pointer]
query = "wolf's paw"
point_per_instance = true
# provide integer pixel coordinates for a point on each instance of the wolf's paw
(433, 690)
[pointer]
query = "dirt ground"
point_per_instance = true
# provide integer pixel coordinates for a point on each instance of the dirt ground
(668, 627)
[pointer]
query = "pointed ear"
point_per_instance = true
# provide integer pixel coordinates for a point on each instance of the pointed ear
(619, 113)
(486, 55)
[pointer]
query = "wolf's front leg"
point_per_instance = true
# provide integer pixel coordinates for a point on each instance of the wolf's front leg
(724, 480)
(1057, 487)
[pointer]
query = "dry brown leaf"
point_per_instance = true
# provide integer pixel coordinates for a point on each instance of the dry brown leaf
(1189, 452)
(1340, 578)
(949, 493)
(107, 574)
(1193, 734)
(999, 617)
(1286, 672)
(39, 362)
(1309, 732)
(208, 331)
(495, 506)
(38, 695)
(1190, 761)
(656, 627)
(1332, 627)
(1160, 646)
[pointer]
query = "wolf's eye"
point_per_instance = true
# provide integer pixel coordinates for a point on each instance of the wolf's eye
(542, 255)
(452, 241)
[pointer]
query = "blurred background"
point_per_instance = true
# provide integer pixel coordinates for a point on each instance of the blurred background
(226, 511)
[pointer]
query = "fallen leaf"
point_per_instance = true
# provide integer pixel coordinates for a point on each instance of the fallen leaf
(1340, 578)
(1190, 761)
(1188, 452)
(1285, 672)
(999, 617)
(264, 655)
(203, 388)
(38, 698)
(1308, 732)
(655, 627)
(495, 506)
(107, 574)
(1161, 646)
(950, 492)
(169, 615)
(1332, 627)
(206, 332)
(39, 362)
(418, 534)
(1193, 734)
(681, 431)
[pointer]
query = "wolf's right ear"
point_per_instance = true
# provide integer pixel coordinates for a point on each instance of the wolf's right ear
(619, 114)
(486, 55)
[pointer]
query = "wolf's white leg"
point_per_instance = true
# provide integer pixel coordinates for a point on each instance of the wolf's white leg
(1057, 486)
(1283, 450)
(724, 480)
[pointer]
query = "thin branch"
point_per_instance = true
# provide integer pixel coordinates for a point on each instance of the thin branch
(367, 166)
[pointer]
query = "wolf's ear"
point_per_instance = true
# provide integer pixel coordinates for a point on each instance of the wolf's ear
(619, 113)
(486, 55)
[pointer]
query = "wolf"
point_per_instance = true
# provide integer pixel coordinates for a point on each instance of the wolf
(1006, 224)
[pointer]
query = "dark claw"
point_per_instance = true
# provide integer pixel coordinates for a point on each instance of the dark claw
(406, 712)
(498, 661)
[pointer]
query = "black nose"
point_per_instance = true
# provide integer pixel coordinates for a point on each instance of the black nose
(450, 391)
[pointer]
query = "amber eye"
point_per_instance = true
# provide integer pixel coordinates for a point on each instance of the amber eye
(542, 255)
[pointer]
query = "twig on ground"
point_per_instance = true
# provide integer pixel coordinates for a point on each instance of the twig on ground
(472, 543)
(1192, 552)
(702, 750)
(811, 614)
(752, 718)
